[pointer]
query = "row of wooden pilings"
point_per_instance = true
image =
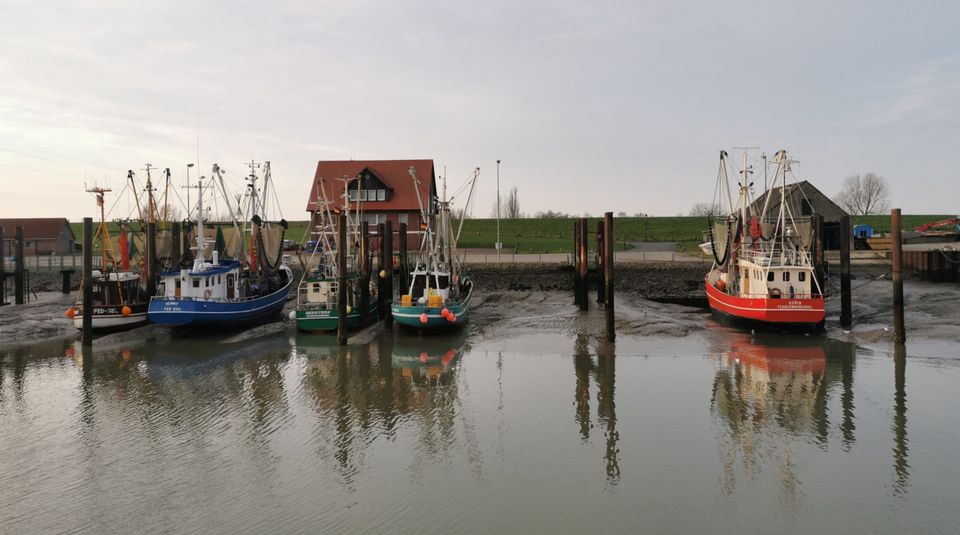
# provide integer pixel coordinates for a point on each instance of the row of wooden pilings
(604, 263)
(385, 272)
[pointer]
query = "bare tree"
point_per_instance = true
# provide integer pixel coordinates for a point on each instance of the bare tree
(862, 195)
(550, 214)
(511, 205)
(703, 209)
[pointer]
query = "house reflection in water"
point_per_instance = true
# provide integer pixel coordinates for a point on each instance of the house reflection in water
(771, 392)
(365, 393)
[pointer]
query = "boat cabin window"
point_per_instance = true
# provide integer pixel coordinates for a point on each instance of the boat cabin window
(177, 283)
(231, 284)
(786, 276)
(770, 276)
(206, 282)
(196, 282)
(316, 287)
(802, 276)
(419, 283)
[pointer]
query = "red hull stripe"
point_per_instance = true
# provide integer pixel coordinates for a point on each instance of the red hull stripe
(782, 310)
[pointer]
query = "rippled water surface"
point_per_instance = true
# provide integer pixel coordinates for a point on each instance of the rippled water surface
(462, 434)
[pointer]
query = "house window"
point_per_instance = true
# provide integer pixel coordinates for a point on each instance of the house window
(373, 219)
(786, 276)
(802, 276)
(404, 219)
(363, 195)
(381, 194)
(372, 195)
(352, 194)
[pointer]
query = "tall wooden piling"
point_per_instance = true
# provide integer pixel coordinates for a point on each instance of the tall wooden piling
(364, 273)
(601, 273)
(584, 281)
(608, 275)
(151, 258)
(3, 269)
(342, 280)
(576, 262)
(404, 267)
(846, 313)
(899, 331)
(87, 282)
(381, 271)
(388, 286)
(174, 245)
(18, 269)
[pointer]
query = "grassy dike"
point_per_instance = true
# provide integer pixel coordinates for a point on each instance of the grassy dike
(555, 235)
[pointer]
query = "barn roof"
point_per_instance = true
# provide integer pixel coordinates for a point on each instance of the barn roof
(394, 174)
(36, 228)
(820, 203)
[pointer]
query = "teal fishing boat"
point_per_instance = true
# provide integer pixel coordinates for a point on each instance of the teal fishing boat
(317, 293)
(439, 294)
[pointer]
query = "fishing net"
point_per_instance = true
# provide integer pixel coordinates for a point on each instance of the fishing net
(721, 237)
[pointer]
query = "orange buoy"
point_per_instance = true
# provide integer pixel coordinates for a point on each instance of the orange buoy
(444, 312)
(451, 317)
(424, 318)
(71, 312)
(126, 311)
(424, 356)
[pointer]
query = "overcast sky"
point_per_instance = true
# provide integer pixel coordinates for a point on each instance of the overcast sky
(591, 106)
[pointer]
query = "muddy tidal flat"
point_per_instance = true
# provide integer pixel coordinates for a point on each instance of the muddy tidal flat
(527, 421)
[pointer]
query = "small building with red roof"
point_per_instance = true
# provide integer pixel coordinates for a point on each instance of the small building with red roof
(385, 189)
(41, 235)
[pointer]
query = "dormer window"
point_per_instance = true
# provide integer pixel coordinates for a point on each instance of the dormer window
(368, 187)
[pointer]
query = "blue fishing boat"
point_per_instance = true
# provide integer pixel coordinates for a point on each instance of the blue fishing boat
(439, 294)
(227, 292)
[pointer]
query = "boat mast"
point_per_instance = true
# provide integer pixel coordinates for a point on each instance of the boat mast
(744, 198)
(198, 260)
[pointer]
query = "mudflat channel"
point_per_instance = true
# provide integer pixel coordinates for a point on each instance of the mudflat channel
(527, 421)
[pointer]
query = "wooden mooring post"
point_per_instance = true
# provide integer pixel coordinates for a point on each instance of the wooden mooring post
(86, 335)
(3, 269)
(601, 263)
(899, 331)
(381, 271)
(404, 267)
(18, 269)
(364, 273)
(174, 245)
(846, 313)
(388, 280)
(342, 279)
(151, 259)
(584, 280)
(576, 262)
(608, 275)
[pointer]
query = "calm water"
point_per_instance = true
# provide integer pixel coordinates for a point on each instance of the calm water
(527, 434)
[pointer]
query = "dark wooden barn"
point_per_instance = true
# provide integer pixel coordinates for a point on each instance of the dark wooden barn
(804, 199)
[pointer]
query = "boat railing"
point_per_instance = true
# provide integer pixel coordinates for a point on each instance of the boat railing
(769, 295)
(776, 257)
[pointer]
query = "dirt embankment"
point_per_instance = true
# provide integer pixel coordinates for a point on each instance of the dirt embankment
(674, 280)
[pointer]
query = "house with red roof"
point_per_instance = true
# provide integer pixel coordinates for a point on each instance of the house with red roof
(41, 235)
(385, 188)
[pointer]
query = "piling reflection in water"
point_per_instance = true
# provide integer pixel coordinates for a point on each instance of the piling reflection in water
(604, 374)
(367, 391)
(769, 391)
(901, 468)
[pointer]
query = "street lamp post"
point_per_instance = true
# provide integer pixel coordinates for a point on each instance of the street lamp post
(189, 165)
(499, 243)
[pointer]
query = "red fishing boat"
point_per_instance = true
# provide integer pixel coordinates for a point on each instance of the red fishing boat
(763, 274)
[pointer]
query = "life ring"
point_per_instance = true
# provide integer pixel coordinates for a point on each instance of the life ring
(208, 293)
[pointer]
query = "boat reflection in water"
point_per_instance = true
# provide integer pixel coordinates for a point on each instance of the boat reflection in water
(771, 392)
(365, 394)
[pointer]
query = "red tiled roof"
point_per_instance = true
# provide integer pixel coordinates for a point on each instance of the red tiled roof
(35, 228)
(393, 173)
